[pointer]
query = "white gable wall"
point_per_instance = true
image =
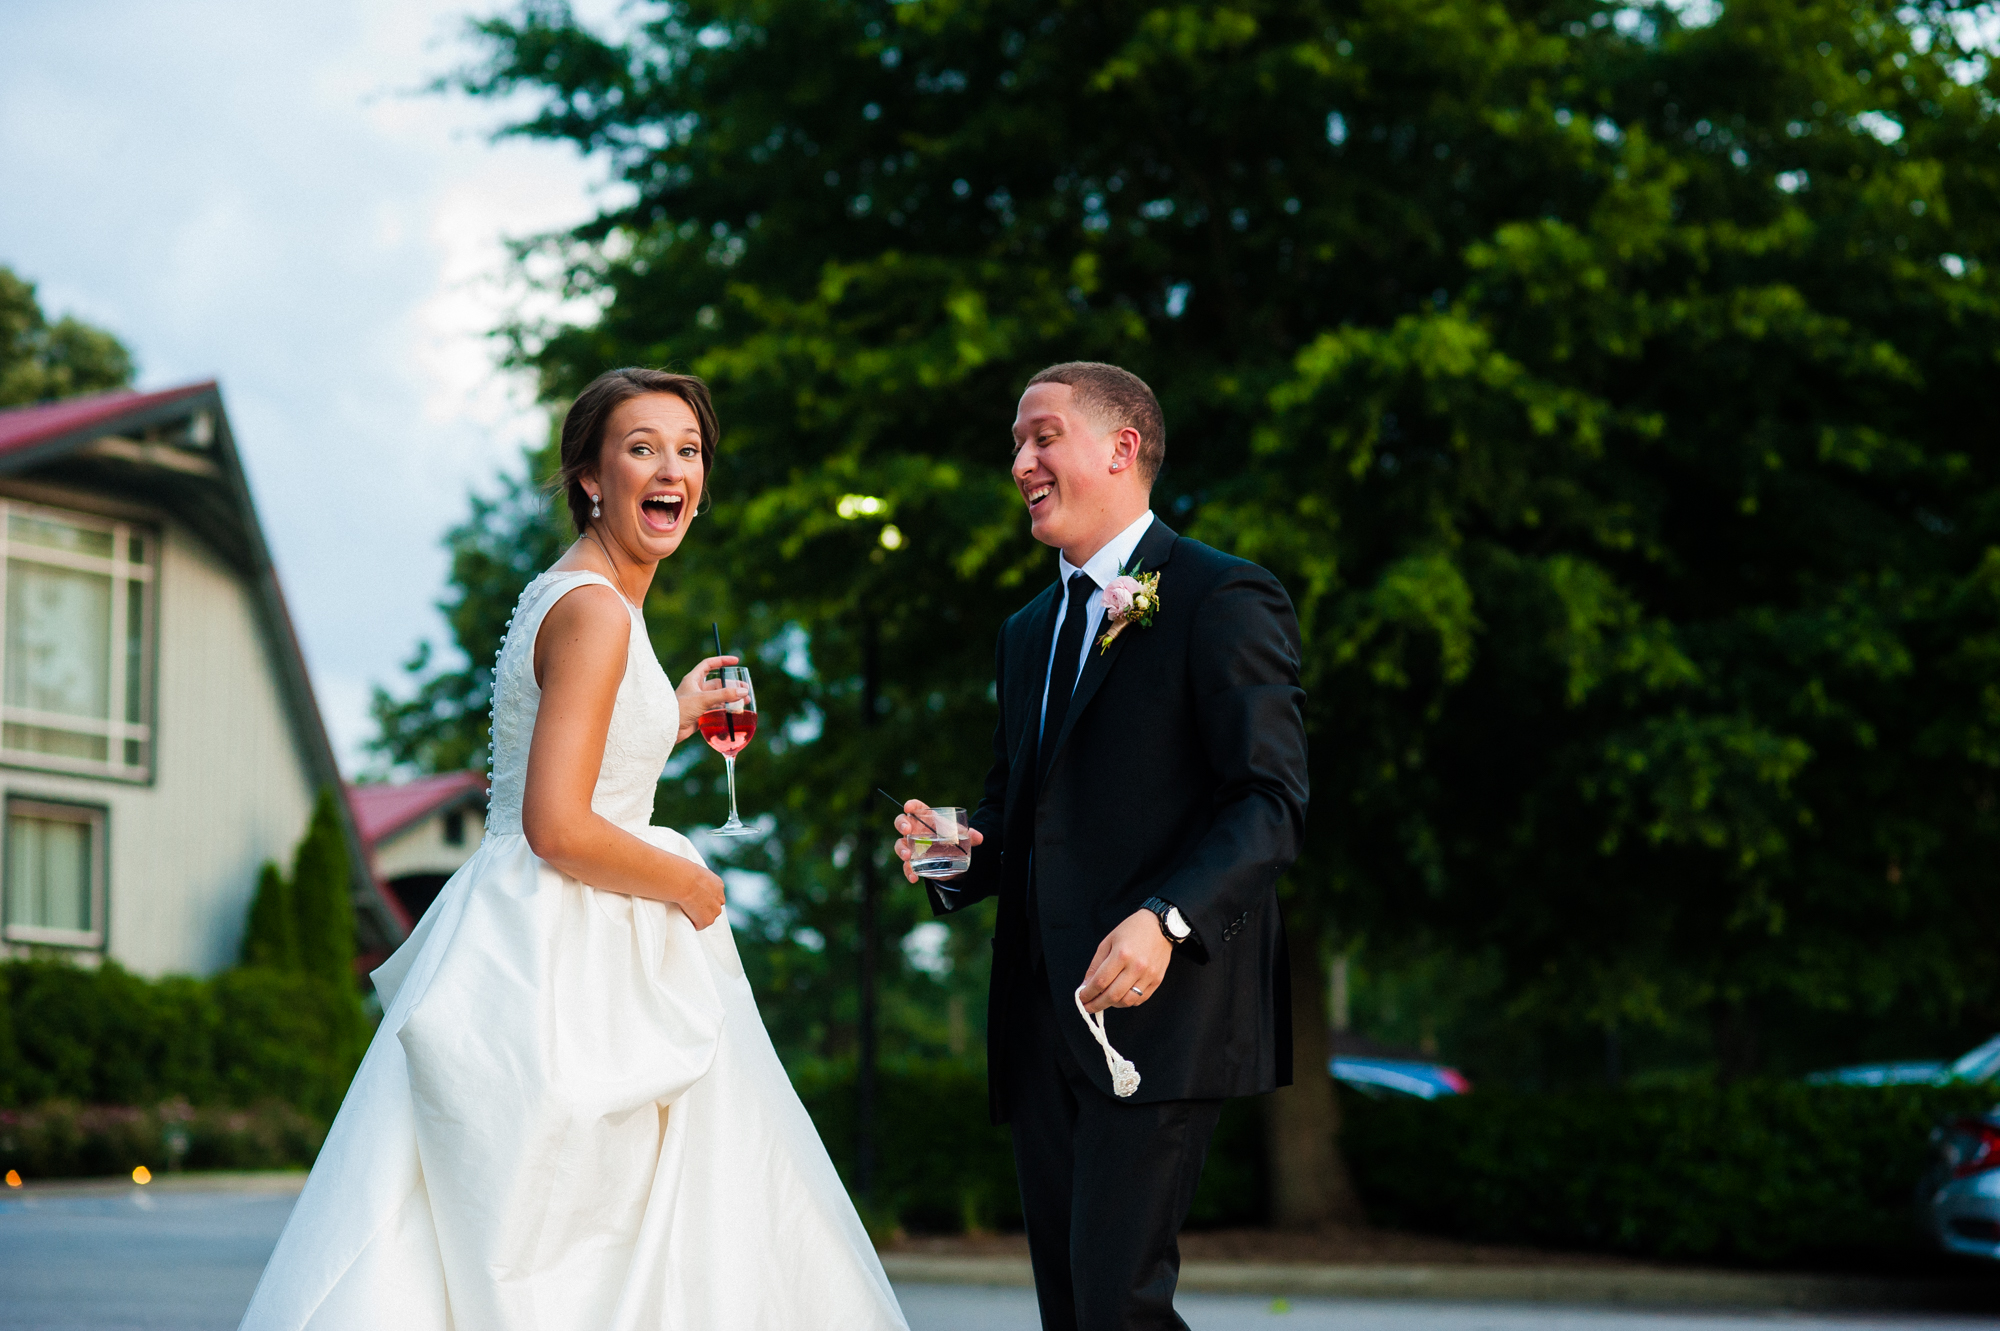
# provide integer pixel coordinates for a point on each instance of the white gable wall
(421, 847)
(231, 786)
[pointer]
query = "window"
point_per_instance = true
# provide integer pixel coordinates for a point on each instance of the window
(75, 691)
(54, 874)
(454, 828)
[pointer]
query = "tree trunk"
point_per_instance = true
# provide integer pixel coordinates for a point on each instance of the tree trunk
(1310, 1185)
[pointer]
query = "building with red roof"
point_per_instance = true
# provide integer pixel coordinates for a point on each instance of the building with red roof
(416, 834)
(159, 739)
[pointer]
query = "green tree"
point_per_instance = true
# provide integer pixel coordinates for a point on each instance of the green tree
(445, 724)
(271, 937)
(1603, 380)
(321, 893)
(800, 949)
(40, 360)
(1663, 538)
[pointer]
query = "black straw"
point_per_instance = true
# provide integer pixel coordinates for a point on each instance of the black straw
(728, 721)
(899, 808)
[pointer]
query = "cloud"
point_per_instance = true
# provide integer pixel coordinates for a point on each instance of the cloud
(258, 193)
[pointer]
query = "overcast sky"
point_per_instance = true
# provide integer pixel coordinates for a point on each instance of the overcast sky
(254, 192)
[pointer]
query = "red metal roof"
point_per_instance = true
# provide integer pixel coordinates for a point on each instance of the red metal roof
(22, 426)
(381, 811)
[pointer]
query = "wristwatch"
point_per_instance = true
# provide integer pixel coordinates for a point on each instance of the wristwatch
(1176, 929)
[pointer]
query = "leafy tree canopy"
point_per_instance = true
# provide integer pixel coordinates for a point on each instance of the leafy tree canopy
(446, 725)
(40, 360)
(1605, 381)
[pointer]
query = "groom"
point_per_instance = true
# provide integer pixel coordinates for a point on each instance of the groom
(1145, 794)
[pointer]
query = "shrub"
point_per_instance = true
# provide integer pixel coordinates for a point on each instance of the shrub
(63, 1139)
(1756, 1173)
(106, 1036)
(941, 1167)
(271, 935)
(292, 1037)
(322, 895)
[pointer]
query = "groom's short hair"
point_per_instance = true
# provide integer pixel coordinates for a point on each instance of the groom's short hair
(1115, 399)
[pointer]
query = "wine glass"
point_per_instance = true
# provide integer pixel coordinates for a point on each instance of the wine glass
(727, 729)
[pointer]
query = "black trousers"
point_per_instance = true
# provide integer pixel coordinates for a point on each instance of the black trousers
(1105, 1183)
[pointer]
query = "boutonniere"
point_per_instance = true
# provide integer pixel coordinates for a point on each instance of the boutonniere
(1131, 598)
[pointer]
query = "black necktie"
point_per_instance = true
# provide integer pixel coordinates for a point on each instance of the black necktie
(1062, 683)
(1062, 670)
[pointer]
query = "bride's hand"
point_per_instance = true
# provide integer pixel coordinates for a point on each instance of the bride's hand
(698, 693)
(702, 898)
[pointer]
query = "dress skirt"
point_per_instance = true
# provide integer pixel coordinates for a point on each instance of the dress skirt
(570, 1117)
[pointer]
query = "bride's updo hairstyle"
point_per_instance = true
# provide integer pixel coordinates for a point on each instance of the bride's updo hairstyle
(583, 428)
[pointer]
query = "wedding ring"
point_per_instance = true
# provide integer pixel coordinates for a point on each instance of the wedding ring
(1137, 990)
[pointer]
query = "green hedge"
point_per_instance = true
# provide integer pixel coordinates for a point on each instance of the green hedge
(1756, 1174)
(941, 1167)
(106, 1036)
(67, 1140)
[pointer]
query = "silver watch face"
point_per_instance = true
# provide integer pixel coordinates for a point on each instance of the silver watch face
(1177, 926)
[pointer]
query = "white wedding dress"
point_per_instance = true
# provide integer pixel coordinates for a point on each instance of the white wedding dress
(572, 1116)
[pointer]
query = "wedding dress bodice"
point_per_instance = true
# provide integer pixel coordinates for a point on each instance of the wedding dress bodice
(644, 719)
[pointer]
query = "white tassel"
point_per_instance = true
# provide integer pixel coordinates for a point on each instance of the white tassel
(1124, 1077)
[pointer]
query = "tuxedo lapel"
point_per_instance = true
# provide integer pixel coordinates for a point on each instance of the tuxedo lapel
(1155, 548)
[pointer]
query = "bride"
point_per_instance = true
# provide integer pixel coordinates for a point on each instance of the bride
(572, 1116)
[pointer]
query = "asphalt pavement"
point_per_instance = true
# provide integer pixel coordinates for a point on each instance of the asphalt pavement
(136, 1260)
(965, 1308)
(177, 1259)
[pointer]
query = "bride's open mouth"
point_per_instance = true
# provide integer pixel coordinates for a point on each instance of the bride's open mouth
(661, 512)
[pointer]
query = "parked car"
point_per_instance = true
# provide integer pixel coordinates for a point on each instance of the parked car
(1982, 1064)
(1378, 1069)
(1373, 1076)
(1958, 1201)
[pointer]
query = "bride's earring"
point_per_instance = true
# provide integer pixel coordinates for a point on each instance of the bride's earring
(595, 512)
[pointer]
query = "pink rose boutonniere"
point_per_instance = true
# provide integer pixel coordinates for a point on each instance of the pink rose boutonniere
(1131, 598)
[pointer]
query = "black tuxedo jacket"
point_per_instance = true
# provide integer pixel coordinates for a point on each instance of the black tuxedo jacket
(1180, 773)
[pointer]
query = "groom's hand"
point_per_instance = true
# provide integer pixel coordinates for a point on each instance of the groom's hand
(1129, 965)
(906, 823)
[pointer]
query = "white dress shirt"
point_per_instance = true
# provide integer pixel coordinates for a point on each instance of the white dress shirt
(1102, 568)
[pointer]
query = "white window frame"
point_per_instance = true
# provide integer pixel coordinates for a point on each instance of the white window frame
(123, 571)
(97, 818)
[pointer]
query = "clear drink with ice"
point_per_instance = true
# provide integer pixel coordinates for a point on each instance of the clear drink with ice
(942, 850)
